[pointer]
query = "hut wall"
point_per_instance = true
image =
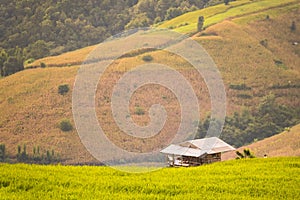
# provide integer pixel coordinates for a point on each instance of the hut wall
(211, 158)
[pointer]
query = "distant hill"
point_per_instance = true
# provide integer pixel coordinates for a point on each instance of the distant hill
(286, 143)
(255, 54)
(59, 26)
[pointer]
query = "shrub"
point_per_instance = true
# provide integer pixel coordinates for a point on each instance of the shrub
(65, 125)
(264, 42)
(147, 58)
(63, 89)
(244, 96)
(22, 156)
(43, 65)
(239, 87)
(2, 153)
(293, 26)
(139, 111)
(29, 61)
(246, 154)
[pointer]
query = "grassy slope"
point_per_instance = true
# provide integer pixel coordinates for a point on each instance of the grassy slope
(275, 178)
(30, 107)
(187, 23)
(286, 143)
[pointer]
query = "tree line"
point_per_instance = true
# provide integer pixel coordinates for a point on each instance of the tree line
(246, 127)
(31, 29)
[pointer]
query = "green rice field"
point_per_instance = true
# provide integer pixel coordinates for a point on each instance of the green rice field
(265, 178)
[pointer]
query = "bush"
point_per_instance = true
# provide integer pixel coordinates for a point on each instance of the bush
(239, 87)
(293, 26)
(264, 42)
(63, 89)
(147, 58)
(43, 65)
(29, 61)
(65, 125)
(2, 153)
(139, 111)
(244, 96)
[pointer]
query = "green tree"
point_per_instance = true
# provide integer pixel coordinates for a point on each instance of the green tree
(200, 23)
(37, 50)
(245, 154)
(11, 66)
(293, 26)
(2, 153)
(3, 58)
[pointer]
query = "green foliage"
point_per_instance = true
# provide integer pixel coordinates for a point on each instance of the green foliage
(293, 26)
(241, 129)
(284, 86)
(36, 157)
(272, 178)
(2, 153)
(139, 110)
(244, 96)
(3, 58)
(37, 50)
(239, 87)
(280, 64)
(22, 156)
(200, 23)
(43, 28)
(65, 125)
(11, 63)
(43, 65)
(246, 154)
(264, 42)
(63, 89)
(29, 61)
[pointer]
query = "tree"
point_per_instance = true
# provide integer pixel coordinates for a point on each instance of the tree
(200, 23)
(245, 154)
(11, 63)
(3, 58)
(226, 2)
(11, 66)
(2, 153)
(37, 50)
(293, 26)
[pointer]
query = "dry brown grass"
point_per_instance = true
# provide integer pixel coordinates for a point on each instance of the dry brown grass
(67, 59)
(31, 108)
(286, 143)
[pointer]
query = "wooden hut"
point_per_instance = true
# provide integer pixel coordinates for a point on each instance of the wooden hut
(196, 152)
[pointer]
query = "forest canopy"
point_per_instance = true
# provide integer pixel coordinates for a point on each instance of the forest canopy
(43, 28)
(56, 26)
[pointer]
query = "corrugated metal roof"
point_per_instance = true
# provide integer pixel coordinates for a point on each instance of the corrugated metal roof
(198, 147)
(183, 151)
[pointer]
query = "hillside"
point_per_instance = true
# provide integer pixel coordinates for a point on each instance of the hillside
(243, 179)
(59, 26)
(286, 143)
(247, 48)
